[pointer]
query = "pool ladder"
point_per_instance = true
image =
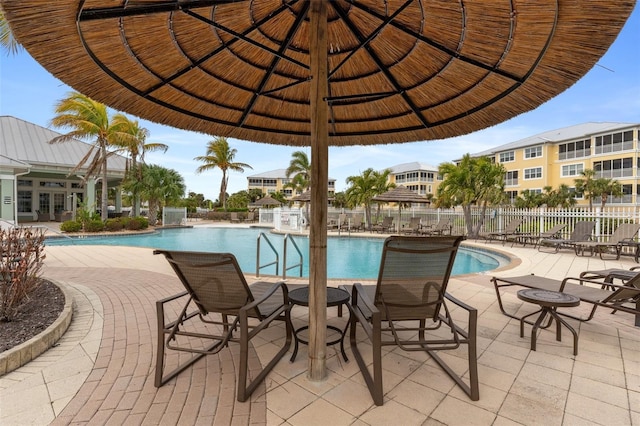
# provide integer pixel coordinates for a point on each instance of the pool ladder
(287, 238)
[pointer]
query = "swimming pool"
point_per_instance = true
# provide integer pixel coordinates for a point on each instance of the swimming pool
(346, 257)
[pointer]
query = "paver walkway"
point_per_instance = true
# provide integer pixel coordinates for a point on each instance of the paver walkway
(119, 287)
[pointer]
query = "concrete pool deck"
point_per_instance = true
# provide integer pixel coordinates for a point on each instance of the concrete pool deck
(101, 372)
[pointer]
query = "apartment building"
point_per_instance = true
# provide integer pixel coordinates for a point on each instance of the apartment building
(559, 156)
(418, 177)
(275, 180)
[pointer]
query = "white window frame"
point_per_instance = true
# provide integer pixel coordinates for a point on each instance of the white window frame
(566, 172)
(510, 154)
(528, 171)
(532, 152)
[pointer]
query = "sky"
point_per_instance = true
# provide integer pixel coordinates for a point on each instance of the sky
(610, 92)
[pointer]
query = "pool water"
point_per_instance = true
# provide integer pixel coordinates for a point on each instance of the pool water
(346, 257)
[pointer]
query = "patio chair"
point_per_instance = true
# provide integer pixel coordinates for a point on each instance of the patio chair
(235, 218)
(251, 217)
(440, 228)
(412, 288)
(624, 234)
(553, 232)
(413, 227)
(218, 295)
(618, 297)
(357, 222)
(510, 231)
(581, 232)
(385, 226)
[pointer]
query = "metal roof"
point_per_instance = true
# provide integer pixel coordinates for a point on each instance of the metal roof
(571, 133)
(412, 167)
(29, 143)
(274, 174)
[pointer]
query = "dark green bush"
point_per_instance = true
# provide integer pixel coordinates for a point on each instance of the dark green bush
(94, 226)
(137, 223)
(113, 225)
(70, 226)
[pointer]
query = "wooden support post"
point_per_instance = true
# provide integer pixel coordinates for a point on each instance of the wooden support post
(319, 189)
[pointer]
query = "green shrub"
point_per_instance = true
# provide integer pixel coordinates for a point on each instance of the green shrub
(70, 226)
(137, 223)
(94, 225)
(113, 225)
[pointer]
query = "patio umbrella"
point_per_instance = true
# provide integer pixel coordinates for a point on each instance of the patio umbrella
(267, 201)
(400, 194)
(300, 72)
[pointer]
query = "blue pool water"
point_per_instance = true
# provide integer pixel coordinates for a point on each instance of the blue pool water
(346, 257)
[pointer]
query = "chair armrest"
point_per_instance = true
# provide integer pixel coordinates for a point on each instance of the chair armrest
(171, 298)
(268, 294)
(581, 281)
(359, 295)
(460, 303)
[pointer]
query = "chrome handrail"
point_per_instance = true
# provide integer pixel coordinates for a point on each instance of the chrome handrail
(289, 237)
(276, 262)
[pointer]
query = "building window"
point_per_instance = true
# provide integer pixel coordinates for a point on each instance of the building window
(52, 184)
(511, 178)
(534, 152)
(25, 199)
(572, 170)
(576, 194)
(626, 198)
(512, 196)
(25, 182)
(615, 142)
(506, 157)
(287, 192)
(578, 149)
(533, 173)
(611, 169)
(269, 182)
(255, 182)
(76, 185)
(400, 178)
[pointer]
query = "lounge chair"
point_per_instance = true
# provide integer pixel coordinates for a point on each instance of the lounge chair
(510, 231)
(235, 218)
(553, 232)
(618, 297)
(385, 226)
(581, 232)
(413, 227)
(624, 234)
(412, 286)
(440, 228)
(357, 222)
(215, 285)
(251, 217)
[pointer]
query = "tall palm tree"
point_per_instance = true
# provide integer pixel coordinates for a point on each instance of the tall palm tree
(364, 187)
(7, 40)
(587, 185)
(220, 155)
(135, 144)
(159, 187)
(300, 167)
(474, 181)
(89, 119)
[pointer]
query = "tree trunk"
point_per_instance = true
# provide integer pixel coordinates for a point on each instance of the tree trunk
(223, 190)
(105, 185)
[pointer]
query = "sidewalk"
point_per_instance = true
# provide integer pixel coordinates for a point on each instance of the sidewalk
(102, 370)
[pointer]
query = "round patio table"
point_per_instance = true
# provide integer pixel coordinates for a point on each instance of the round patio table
(335, 297)
(549, 302)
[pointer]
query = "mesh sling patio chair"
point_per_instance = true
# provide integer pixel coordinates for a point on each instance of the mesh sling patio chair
(581, 232)
(215, 284)
(440, 228)
(385, 226)
(509, 231)
(624, 234)
(413, 227)
(412, 290)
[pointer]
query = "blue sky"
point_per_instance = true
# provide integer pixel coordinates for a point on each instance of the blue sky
(609, 92)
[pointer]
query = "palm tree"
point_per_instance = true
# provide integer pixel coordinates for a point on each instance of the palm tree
(364, 187)
(606, 188)
(159, 187)
(474, 181)
(220, 155)
(587, 186)
(7, 40)
(89, 119)
(136, 146)
(300, 168)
